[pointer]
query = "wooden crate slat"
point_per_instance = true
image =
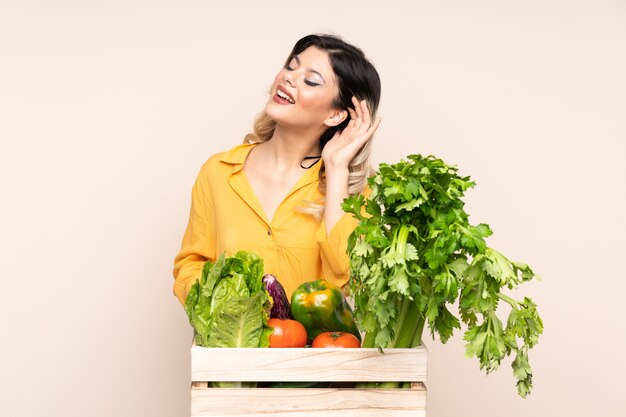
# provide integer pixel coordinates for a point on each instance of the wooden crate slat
(308, 402)
(299, 364)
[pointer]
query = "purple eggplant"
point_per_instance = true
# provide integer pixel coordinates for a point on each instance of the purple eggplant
(280, 309)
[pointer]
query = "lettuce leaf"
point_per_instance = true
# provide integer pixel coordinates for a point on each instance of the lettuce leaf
(229, 306)
(238, 323)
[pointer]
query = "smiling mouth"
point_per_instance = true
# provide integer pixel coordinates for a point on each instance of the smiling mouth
(284, 96)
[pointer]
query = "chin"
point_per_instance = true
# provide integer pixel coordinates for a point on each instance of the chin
(275, 112)
(288, 116)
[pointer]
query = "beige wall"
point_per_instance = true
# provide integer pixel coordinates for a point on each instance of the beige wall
(108, 109)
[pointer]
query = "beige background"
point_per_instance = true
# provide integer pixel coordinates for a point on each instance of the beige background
(108, 109)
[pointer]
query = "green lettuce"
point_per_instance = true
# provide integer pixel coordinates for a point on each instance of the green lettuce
(229, 306)
(238, 324)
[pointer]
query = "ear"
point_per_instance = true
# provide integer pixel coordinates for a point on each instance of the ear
(335, 117)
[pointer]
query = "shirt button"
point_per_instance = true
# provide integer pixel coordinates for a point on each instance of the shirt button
(269, 231)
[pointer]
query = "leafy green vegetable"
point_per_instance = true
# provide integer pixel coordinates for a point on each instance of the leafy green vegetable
(229, 306)
(237, 323)
(414, 253)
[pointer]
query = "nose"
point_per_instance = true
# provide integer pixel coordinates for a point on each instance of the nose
(288, 78)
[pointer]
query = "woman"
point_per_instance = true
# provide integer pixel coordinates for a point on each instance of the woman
(279, 194)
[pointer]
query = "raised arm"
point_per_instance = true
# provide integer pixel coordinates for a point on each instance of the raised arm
(337, 155)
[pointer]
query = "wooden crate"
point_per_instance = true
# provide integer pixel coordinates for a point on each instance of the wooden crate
(307, 364)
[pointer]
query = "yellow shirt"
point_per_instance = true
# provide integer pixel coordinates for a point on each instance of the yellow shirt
(226, 216)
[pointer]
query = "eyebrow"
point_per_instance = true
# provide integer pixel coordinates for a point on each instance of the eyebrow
(308, 69)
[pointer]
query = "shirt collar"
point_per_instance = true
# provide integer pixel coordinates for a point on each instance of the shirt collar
(237, 157)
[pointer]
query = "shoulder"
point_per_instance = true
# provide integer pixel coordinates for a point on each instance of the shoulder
(224, 162)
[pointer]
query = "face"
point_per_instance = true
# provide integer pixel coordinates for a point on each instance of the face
(303, 92)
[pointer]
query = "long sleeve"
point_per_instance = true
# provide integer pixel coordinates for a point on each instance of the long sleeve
(333, 247)
(198, 245)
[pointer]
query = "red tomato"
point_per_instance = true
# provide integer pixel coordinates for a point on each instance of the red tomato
(287, 333)
(336, 340)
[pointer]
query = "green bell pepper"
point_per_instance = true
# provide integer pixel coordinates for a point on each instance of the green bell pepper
(321, 307)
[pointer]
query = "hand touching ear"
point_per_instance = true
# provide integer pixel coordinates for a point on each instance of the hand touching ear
(337, 155)
(341, 149)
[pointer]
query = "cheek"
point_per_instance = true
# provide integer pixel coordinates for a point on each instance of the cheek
(277, 79)
(315, 100)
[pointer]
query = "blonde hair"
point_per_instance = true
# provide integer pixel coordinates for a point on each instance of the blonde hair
(359, 167)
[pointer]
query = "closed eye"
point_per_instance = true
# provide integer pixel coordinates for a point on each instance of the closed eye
(294, 61)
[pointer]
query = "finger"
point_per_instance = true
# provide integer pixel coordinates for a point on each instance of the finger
(362, 137)
(373, 127)
(352, 115)
(355, 102)
(358, 111)
(366, 113)
(359, 141)
(365, 116)
(348, 131)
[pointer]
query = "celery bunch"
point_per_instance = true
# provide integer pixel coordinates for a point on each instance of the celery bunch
(414, 253)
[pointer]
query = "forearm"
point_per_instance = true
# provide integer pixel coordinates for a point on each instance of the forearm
(186, 271)
(336, 192)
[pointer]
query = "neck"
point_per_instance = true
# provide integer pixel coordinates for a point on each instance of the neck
(288, 147)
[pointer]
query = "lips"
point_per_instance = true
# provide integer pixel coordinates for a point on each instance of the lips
(282, 93)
